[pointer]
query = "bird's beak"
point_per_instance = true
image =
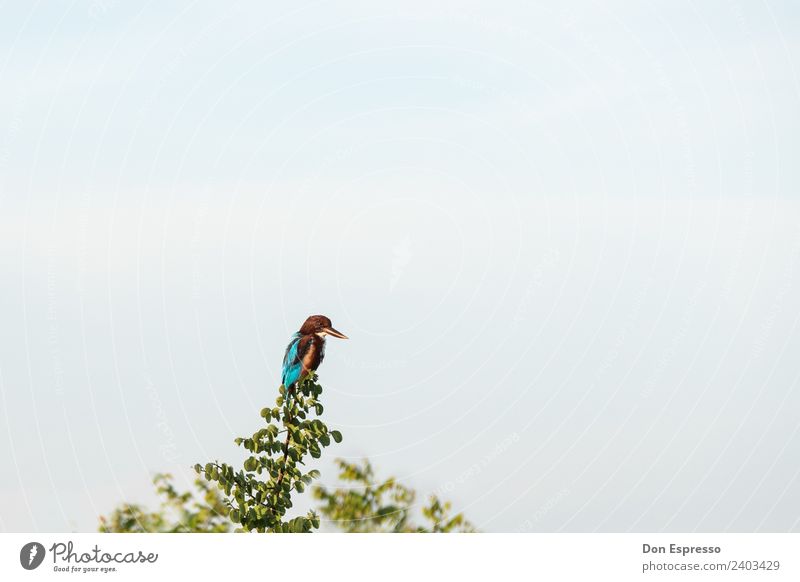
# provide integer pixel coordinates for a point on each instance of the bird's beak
(334, 333)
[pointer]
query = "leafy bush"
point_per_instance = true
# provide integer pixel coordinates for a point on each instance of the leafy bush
(206, 512)
(365, 505)
(257, 496)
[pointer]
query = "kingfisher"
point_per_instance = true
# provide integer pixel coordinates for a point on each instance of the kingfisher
(306, 349)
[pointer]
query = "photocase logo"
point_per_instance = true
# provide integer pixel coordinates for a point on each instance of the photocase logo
(31, 555)
(402, 252)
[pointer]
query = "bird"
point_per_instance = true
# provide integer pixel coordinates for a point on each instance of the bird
(306, 349)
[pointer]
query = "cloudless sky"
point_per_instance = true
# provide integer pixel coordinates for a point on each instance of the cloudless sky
(564, 242)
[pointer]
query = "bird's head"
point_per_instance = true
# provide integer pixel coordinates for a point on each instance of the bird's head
(321, 326)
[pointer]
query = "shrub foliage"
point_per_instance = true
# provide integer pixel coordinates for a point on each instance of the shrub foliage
(258, 495)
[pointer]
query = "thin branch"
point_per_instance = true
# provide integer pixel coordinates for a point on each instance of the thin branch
(289, 420)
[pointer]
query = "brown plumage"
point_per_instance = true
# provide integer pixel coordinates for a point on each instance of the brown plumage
(305, 352)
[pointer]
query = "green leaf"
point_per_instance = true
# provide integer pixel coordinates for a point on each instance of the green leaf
(337, 436)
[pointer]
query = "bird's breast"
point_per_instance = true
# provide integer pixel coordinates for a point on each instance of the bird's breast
(315, 354)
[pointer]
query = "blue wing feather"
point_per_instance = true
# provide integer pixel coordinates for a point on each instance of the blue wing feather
(292, 364)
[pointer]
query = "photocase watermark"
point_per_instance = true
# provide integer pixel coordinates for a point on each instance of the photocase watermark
(376, 365)
(680, 119)
(402, 253)
(477, 468)
(625, 332)
(31, 555)
(67, 559)
(549, 259)
(761, 340)
(198, 228)
(543, 510)
(100, 8)
(744, 232)
(684, 325)
(168, 448)
(52, 323)
(14, 127)
(578, 23)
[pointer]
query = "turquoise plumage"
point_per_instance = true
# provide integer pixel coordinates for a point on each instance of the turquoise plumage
(292, 364)
(306, 349)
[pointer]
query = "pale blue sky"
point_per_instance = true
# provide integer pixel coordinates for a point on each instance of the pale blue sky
(565, 243)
